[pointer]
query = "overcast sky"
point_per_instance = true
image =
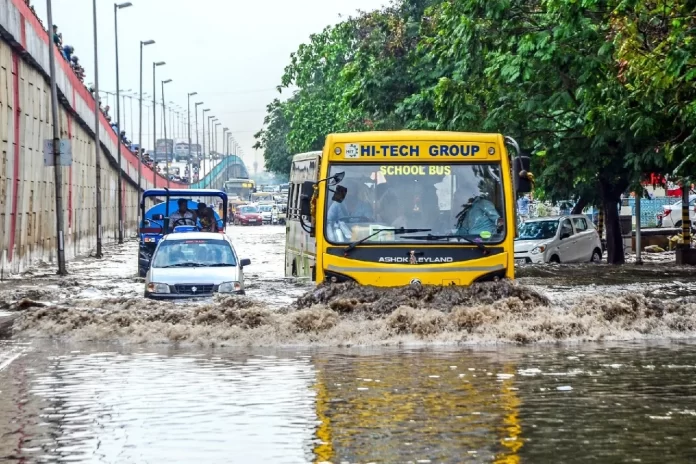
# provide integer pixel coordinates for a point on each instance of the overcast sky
(231, 52)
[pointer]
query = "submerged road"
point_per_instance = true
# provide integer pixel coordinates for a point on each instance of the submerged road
(102, 375)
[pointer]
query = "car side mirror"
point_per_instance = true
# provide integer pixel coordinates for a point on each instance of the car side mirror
(245, 262)
(158, 217)
(565, 235)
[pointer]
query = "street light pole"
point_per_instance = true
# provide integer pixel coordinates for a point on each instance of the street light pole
(188, 123)
(217, 152)
(141, 150)
(118, 6)
(210, 144)
(201, 169)
(58, 169)
(164, 125)
(97, 145)
(154, 120)
(198, 149)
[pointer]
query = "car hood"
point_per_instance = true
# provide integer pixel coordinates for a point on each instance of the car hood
(528, 245)
(194, 275)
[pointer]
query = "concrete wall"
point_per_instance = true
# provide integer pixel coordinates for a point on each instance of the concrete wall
(27, 193)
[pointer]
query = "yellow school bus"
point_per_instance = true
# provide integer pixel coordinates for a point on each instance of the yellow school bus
(407, 207)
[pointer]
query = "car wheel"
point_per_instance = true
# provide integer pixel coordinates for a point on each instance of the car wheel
(596, 256)
(555, 259)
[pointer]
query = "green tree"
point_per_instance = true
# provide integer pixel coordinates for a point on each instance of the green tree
(273, 139)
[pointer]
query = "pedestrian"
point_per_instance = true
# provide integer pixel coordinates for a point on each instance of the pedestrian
(68, 50)
(523, 208)
(57, 38)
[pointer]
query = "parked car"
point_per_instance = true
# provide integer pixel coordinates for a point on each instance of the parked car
(194, 264)
(563, 239)
(248, 215)
(671, 216)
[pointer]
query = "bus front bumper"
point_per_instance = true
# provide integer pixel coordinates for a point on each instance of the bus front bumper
(396, 275)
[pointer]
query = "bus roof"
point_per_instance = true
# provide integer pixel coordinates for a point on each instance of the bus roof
(306, 155)
(414, 135)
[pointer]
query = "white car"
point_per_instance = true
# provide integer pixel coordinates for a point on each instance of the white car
(671, 217)
(562, 239)
(194, 264)
(268, 214)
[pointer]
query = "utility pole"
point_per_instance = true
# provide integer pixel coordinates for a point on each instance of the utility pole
(58, 169)
(97, 143)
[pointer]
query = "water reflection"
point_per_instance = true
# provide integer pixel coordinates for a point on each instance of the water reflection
(150, 407)
(617, 403)
(416, 407)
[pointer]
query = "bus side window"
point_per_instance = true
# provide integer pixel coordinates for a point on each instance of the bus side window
(296, 200)
(291, 203)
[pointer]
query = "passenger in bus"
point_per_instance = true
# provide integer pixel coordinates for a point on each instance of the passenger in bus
(392, 210)
(478, 215)
(353, 206)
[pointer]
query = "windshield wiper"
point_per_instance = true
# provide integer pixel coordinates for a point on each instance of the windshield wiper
(480, 246)
(183, 265)
(398, 231)
(221, 265)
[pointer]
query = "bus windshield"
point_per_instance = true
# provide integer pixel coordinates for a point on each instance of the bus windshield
(456, 202)
(239, 188)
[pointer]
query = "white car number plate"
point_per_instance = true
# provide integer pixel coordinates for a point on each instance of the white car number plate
(252, 220)
(519, 261)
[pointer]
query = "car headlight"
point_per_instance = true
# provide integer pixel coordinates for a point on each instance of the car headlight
(155, 287)
(539, 249)
(229, 287)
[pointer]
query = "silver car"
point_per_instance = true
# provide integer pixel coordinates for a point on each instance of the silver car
(194, 264)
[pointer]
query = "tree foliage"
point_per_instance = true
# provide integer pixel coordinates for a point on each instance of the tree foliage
(602, 92)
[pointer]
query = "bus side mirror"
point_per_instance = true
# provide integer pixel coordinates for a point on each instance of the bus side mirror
(339, 194)
(306, 193)
(520, 169)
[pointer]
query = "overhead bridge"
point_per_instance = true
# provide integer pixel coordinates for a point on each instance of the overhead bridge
(229, 167)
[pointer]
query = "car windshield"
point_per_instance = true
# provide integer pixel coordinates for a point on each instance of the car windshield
(265, 208)
(451, 200)
(538, 230)
(249, 209)
(194, 253)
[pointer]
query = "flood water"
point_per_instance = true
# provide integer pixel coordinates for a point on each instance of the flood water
(571, 364)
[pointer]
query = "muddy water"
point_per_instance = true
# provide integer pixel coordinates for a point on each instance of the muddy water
(289, 373)
(104, 403)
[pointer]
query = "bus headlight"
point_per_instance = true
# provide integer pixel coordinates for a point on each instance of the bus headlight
(539, 249)
(229, 287)
(155, 287)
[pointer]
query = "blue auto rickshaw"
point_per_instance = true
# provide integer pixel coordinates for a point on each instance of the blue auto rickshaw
(154, 223)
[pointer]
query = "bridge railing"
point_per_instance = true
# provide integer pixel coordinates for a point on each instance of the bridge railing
(218, 175)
